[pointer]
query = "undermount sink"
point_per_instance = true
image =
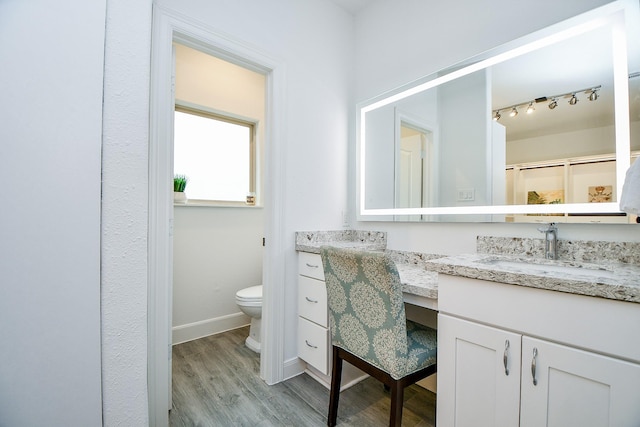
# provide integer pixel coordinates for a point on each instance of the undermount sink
(543, 268)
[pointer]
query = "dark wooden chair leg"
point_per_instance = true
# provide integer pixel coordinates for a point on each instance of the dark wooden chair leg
(334, 394)
(397, 395)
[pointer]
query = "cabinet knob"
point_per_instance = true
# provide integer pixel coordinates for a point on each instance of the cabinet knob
(315, 301)
(310, 345)
(312, 265)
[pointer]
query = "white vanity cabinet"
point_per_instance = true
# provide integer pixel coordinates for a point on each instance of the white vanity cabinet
(494, 339)
(473, 386)
(576, 387)
(314, 335)
(313, 328)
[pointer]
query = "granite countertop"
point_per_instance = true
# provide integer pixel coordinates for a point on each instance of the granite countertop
(312, 241)
(418, 281)
(599, 269)
(617, 281)
(314, 248)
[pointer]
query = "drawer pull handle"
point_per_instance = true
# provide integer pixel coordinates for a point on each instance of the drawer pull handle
(310, 345)
(312, 265)
(533, 366)
(315, 301)
(505, 357)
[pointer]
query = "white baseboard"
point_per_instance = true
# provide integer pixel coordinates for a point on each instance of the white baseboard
(204, 328)
(293, 367)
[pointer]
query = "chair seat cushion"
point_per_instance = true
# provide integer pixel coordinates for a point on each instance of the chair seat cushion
(422, 346)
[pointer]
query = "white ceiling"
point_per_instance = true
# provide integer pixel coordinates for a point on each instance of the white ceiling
(353, 6)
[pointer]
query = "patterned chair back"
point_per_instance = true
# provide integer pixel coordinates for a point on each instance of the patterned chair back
(366, 310)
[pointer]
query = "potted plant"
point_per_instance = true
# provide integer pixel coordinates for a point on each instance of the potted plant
(179, 185)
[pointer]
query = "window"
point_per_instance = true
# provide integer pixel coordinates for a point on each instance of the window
(216, 153)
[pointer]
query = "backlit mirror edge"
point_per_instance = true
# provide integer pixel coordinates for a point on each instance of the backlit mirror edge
(615, 14)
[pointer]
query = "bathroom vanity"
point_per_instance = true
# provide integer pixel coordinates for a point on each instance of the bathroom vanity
(530, 342)
(522, 341)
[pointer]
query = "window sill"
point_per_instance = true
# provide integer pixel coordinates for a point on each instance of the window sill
(215, 204)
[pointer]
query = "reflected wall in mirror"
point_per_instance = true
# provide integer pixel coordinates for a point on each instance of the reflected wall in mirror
(542, 128)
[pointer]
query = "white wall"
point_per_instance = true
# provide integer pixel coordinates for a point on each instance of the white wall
(399, 41)
(460, 147)
(586, 142)
(217, 250)
(50, 142)
(380, 158)
(125, 213)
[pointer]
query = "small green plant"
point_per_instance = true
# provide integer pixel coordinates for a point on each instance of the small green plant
(179, 183)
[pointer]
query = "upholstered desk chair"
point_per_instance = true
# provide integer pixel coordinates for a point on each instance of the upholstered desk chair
(369, 328)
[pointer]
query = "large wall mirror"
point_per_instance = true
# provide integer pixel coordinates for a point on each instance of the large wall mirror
(542, 129)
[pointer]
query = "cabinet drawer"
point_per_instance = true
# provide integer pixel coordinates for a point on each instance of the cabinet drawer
(313, 345)
(310, 265)
(312, 300)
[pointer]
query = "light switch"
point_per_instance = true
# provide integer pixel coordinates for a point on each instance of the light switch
(466, 194)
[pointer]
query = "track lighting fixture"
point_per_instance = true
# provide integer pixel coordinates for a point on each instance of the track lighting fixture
(573, 100)
(592, 95)
(531, 108)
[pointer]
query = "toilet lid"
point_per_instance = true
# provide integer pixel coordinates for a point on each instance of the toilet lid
(252, 293)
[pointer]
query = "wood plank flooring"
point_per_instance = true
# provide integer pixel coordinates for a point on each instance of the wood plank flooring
(216, 382)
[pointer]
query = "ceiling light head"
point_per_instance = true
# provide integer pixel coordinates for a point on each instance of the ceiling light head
(593, 95)
(553, 104)
(531, 108)
(573, 100)
(497, 116)
(514, 112)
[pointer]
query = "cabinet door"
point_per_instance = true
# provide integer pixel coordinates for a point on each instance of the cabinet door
(577, 388)
(474, 386)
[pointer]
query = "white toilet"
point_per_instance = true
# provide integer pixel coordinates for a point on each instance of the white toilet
(250, 302)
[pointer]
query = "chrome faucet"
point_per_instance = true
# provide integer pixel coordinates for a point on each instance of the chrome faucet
(550, 241)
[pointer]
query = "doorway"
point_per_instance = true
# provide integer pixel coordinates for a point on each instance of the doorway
(170, 28)
(219, 147)
(416, 154)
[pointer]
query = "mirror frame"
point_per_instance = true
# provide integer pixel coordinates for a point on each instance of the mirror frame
(615, 14)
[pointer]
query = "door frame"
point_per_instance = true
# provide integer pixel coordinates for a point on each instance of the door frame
(170, 26)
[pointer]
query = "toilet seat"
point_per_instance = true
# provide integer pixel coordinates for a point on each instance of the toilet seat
(251, 297)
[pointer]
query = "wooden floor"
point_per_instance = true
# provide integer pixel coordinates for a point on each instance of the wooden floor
(216, 382)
